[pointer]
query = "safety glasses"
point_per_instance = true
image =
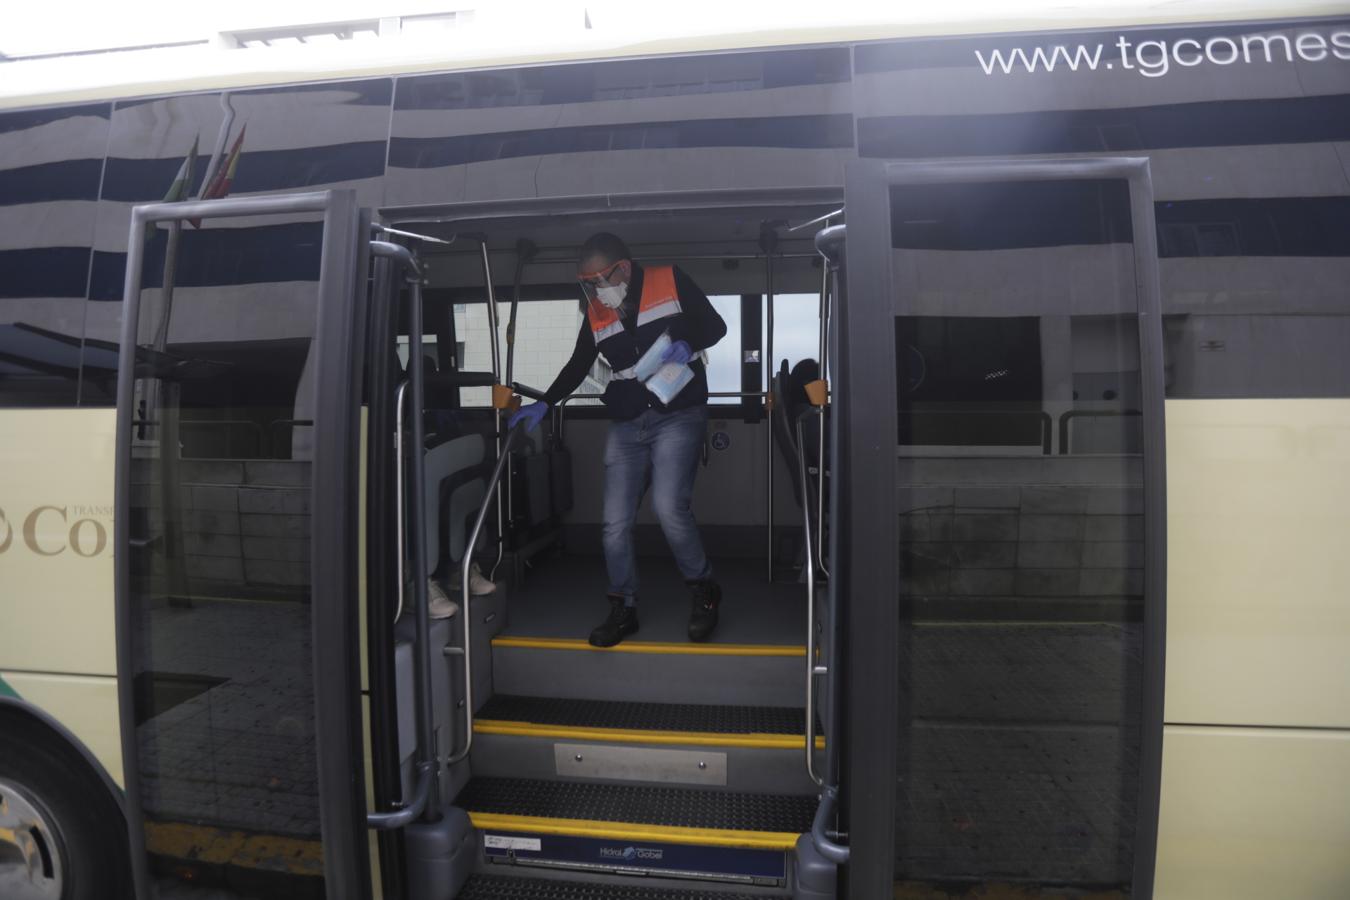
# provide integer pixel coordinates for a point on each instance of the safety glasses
(591, 281)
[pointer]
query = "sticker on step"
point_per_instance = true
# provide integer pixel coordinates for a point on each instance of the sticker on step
(511, 842)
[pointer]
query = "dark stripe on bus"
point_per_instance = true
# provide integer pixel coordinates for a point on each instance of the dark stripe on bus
(624, 80)
(1091, 212)
(1227, 123)
(72, 179)
(366, 92)
(219, 256)
(789, 132)
(143, 180)
(1267, 226)
(976, 217)
(36, 118)
(44, 272)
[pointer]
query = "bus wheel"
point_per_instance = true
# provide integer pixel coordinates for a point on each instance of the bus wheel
(61, 837)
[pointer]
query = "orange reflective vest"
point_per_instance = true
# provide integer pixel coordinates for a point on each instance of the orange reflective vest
(659, 299)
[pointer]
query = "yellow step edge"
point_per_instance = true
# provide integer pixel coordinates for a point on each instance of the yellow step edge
(625, 831)
(672, 648)
(643, 736)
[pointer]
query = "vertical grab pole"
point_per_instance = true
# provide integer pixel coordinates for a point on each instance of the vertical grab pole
(525, 251)
(812, 669)
(822, 357)
(417, 512)
(830, 242)
(496, 413)
(767, 240)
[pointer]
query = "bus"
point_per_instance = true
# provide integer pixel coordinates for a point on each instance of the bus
(1024, 474)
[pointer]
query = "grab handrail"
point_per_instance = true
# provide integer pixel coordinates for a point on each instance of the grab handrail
(425, 751)
(835, 853)
(465, 594)
(559, 422)
(812, 669)
(525, 390)
(822, 362)
(399, 536)
(830, 243)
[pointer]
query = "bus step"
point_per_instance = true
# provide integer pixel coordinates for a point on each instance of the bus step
(682, 815)
(503, 887)
(780, 727)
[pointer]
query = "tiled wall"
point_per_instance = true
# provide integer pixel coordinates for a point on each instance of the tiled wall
(975, 543)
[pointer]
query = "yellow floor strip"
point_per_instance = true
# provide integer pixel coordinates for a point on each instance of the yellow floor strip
(625, 831)
(642, 736)
(227, 846)
(690, 649)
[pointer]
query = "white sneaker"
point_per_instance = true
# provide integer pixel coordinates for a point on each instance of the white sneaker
(479, 586)
(439, 606)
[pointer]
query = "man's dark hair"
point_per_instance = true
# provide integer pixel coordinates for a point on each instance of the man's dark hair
(609, 247)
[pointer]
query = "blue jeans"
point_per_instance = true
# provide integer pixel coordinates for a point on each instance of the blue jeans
(660, 449)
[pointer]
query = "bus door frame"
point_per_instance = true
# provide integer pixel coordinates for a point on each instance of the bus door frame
(869, 416)
(340, 345)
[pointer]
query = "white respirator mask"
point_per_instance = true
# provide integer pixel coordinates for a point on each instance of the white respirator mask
(612, 295)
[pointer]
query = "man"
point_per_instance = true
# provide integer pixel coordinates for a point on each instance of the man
(628, 308)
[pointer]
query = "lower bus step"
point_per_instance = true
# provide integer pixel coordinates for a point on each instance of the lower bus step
(501, 887)
(688, 815)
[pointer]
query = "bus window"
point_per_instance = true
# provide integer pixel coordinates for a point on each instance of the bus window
(724, 357)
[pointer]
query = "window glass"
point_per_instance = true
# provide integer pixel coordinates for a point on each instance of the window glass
(220, 490)
(796, 331)
(1021, 533)
(546, 334)
(724, 357)
(50, 164)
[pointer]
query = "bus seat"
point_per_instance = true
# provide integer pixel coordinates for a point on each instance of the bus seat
(792, 405)
(784, 424)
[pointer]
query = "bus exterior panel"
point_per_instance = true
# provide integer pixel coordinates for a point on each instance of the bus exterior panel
(1244, 125)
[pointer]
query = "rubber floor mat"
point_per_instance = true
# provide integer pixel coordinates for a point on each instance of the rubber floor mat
(502, 887)
(639, 804)
(644, 716)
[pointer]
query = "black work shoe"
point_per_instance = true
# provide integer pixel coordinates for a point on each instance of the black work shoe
(703, 616)
(622, 622)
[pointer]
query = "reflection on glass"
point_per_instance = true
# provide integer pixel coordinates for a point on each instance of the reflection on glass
(50, 164)
(221, 445)
(1021, 520)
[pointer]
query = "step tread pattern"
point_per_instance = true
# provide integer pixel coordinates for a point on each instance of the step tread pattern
(642, 716)
(505, 887)
(639, 804)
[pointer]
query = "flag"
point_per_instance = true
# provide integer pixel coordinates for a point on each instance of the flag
(182, 183)
(220, 182)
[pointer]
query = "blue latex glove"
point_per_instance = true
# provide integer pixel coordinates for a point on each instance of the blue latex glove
(531, 415)
(678, 352)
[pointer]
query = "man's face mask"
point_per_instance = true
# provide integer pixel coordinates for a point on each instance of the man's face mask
(604, 285)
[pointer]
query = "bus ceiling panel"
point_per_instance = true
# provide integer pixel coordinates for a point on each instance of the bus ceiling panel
(704, 232)
(796, 272)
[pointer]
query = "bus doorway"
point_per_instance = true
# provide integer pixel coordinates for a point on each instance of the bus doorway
(661, 764)
(1005, 683)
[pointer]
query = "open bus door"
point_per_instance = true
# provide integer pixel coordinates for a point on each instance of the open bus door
(1000, 376)
(236, 533)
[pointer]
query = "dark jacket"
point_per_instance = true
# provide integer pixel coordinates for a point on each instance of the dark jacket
(697, 324)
